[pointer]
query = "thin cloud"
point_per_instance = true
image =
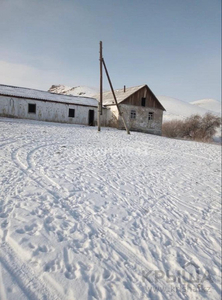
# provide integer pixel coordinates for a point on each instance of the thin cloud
(26, 76)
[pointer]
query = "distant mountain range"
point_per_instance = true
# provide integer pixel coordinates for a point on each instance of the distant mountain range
(175, 108)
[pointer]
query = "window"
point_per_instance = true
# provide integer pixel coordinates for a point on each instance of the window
(143, 102)
(71, 113)
(31, 108)
(133, 114)
(150, 116)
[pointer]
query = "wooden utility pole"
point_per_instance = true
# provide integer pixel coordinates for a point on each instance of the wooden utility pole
(114, 96)
(100, 103)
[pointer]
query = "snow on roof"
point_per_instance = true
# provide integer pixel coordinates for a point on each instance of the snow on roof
(120, 95)
(21, 92)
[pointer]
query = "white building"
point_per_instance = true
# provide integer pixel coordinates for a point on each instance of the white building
(33, 104)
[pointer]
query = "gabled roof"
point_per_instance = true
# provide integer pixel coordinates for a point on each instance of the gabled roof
(20, 92)
(121, 95)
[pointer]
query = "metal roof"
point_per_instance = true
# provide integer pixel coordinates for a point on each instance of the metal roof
(121, 95)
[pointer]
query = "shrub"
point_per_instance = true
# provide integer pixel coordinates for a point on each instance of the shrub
(172, 128)
(193, 128)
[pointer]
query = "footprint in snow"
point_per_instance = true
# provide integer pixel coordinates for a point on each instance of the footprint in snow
(53, 265)
(29, 229)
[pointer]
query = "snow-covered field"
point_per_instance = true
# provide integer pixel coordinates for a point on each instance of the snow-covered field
(88, 215)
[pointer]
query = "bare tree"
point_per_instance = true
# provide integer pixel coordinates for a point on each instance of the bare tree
(209, 126)
(191, 127)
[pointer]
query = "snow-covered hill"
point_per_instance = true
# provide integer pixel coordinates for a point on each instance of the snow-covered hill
(75, 91)
(209, 104)
(177, 109)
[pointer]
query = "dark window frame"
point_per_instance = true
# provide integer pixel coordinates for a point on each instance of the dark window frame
(31, 108)
(71, 112)
(150, 115)
(133, 114)
(143, 102)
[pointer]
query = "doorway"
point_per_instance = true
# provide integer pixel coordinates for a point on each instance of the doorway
(91, 117)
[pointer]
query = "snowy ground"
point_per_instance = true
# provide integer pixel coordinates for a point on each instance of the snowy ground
(88, 215)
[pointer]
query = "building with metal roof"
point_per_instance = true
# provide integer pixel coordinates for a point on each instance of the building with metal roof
(141, 109)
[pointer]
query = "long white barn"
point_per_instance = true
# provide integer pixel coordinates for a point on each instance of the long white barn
(45, 106)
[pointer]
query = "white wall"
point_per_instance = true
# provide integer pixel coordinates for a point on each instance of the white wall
(58, 112)
(45, 110)
(141, 123)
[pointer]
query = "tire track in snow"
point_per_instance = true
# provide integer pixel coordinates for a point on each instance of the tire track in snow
(7, 144)
(29, 283)
(136, 206)
(120, 248)
(109, 237)
(2, 289)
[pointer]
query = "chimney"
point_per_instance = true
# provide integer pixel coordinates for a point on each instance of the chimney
(124, 88)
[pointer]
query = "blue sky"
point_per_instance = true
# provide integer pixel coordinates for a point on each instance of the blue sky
(174, 46)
